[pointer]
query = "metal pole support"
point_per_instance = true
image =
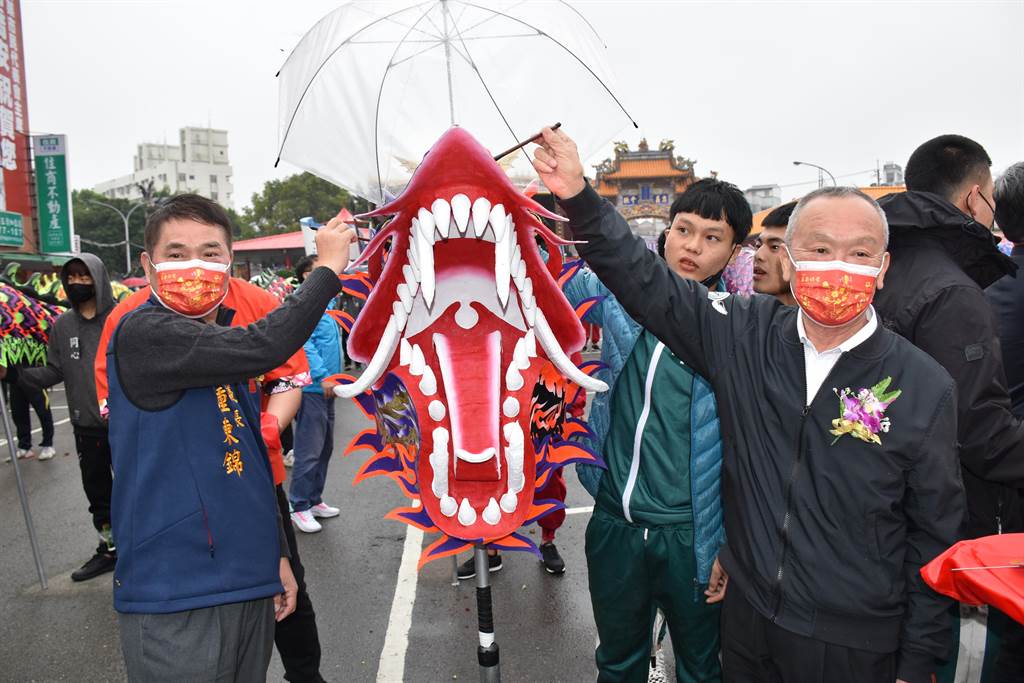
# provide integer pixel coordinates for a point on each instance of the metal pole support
(21, 492)
(487, 652)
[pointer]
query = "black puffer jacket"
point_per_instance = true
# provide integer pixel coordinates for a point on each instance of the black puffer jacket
(941, 261)
(826, 536)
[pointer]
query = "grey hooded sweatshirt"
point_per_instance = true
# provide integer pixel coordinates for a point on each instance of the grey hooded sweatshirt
(71, 352)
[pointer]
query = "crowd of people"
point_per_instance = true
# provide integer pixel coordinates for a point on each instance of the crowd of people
(779, 466)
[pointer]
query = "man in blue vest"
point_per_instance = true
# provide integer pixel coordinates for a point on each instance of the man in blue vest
(657, 525)
(202, 568)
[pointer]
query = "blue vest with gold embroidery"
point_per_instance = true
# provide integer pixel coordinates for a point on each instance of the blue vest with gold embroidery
(194, 510)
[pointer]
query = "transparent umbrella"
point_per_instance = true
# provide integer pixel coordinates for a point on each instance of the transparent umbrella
(373, 84)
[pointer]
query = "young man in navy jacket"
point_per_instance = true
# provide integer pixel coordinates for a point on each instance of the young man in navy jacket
(202, 569)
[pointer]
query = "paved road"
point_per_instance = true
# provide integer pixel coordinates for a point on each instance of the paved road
(544, 624)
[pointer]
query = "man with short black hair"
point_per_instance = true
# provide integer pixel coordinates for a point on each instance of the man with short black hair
(654, 537)
(768, 273)
(943, 256)
(203, 562)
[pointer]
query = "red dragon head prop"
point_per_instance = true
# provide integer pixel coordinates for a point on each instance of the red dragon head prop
(455, 335)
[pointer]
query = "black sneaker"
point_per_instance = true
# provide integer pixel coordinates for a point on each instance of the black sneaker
(552, 561)
(101, 563)
(467, 570)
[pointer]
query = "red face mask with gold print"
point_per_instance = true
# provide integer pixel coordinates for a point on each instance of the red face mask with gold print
(832, 293)
(192, 288)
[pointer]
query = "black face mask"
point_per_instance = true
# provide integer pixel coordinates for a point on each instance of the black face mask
(79, 293)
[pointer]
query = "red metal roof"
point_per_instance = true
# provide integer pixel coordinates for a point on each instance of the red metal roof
(284, 240)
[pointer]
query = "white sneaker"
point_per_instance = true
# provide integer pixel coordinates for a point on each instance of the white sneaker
(304, 522)
(288, 459)
(24, 453)
(47, 452)
(323, 510)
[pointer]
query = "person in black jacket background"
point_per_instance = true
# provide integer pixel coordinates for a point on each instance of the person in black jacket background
(943, 255)
(1007, 299)
(830, 512)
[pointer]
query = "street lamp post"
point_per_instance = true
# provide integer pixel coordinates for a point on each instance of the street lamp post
(127, 239)
(820, 170)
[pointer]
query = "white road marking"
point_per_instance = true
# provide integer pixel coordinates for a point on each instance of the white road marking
(391, 668)
(3, 442)
(579, 510)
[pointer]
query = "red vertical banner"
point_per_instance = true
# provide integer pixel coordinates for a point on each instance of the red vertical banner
(14, 127)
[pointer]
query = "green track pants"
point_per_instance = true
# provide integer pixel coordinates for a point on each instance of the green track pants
(634, 570)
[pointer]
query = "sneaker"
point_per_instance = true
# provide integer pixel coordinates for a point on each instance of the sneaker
(656, 674)
(467, 570)
(288, 459)
(101, 563)
(324, 511)
(552, 561)
(25, 453)
(47, 452)
(304, 521)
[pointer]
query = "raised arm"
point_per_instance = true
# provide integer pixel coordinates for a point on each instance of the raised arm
(679, 312)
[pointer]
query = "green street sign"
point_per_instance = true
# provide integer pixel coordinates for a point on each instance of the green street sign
(52, 192)
(12, 232)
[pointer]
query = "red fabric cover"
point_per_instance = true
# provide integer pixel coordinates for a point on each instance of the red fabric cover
(272, 437)
(1000, 588)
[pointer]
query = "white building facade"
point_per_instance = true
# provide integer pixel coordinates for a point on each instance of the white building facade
(199, 163)
(761, 197)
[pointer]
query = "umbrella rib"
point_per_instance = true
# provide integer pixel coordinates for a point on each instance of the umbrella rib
(494, 14)
(376, 111)
(568, 51)
(415, 55)
(480, 76)
(347, 41)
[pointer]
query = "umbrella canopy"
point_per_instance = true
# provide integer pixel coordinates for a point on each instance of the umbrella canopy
(370, 87)
(984, 571)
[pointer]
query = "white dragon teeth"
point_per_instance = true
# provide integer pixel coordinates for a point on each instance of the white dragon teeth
(510, 407)
(448, 506)
(405, 296)
(497, 220)
(561, 361)
(428, 385)
(416, 361)
(460, 211)
(424, 238)
(404, 352)
(513, 379)
(530, 344)
(508, 502)
(375, 368)
(481, 213)
(442, 214)
(426, 224)
(399, 313)
(491, 513)
(520, 359)
(467, 515)
(436, 410)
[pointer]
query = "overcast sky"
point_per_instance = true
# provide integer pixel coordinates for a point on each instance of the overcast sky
(742, 88)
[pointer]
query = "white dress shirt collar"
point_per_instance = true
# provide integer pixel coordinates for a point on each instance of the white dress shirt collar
(817, 364)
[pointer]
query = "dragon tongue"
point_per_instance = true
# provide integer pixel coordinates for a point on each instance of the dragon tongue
(471, 373)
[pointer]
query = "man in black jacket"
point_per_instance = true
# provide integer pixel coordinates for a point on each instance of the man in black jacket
(943, 256)
(839, 474)
(71, 352)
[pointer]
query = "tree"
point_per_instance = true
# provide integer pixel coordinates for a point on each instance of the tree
(283, 202)
(102, 230)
